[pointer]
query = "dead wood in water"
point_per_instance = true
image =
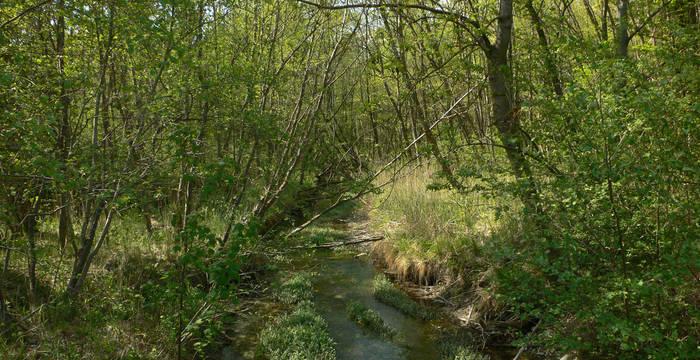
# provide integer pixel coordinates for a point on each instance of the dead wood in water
(340, 243)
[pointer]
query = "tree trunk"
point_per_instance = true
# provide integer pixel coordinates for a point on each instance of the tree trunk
(65, 228)
(622, 38)
(505, 113)
(87, 238)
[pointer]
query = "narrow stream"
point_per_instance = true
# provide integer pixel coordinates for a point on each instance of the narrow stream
(340, 279)
(348, 279)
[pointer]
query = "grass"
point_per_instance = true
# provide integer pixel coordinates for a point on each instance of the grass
(299, 335)
(125, 309)
(318, 235)
(387, 293)
(296, 289)
(369, 319)
(461, 352)
(430, 232)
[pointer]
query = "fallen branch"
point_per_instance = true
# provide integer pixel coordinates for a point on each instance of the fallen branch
(340, 243)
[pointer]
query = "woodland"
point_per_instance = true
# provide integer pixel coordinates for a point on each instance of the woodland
(533, 165)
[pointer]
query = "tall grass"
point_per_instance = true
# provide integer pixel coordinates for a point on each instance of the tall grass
(430, 231)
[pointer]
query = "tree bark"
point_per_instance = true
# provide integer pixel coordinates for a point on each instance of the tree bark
(622, 39)
(65, 228)
(505, 112)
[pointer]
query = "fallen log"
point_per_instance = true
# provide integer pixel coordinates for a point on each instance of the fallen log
(340, 243)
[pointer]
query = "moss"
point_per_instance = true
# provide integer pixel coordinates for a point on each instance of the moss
(301, 334)
(296, 289)
(370, 319)
(387, 293)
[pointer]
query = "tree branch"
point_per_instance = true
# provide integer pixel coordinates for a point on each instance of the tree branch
(646, 21)
(464, 19)
(25, 12)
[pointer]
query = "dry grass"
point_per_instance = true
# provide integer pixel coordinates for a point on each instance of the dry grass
(430, 233)
(438, 239)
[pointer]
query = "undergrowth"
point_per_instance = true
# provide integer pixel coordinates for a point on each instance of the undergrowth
(131, 311)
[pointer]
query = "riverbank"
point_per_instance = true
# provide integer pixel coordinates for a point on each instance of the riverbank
(437, 245)
(346, 278)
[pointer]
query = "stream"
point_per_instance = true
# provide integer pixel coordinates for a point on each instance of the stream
(342, 278)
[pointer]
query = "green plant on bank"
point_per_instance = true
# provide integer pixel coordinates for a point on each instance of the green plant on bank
(386, 292)
(369, 318)
(453, 351)
(295, 289)
(466, 353)
(458, 344)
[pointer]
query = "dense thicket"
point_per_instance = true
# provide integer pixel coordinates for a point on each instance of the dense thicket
(269, 112)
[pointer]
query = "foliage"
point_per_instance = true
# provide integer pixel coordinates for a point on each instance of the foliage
(559, 154)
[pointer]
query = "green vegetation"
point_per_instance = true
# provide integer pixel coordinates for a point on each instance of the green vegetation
(536, 162)
(369, 318)
(456, 344)
(295, 289)
(129, 315)
(461, 352)
(299, 335)
(319, 235)
(387, 293)
(430, 232)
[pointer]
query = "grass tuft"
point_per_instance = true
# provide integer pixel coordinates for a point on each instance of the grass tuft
(296, 289)
(387, 293)
(370, 319)
(299, 335)
(461, 352)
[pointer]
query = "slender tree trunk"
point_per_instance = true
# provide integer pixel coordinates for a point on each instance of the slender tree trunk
(549, 62)
(3, 277)
(65, 228)
(622, 38)
(505, 112)
(87, 239)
